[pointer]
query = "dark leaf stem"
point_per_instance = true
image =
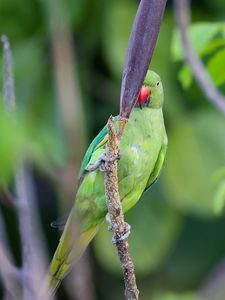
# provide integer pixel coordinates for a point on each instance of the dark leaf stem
(139, 53)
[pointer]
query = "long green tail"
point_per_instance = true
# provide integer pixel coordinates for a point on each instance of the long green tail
(67, 254)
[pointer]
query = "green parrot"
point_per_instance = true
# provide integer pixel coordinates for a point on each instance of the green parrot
(143, 149)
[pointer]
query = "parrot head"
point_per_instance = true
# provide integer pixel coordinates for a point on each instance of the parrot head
(151, 93)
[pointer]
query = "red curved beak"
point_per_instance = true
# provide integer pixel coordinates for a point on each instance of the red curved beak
(144, 94)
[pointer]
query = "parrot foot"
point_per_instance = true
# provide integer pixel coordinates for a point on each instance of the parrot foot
(108, 220)
(125, 234)
(100, 163)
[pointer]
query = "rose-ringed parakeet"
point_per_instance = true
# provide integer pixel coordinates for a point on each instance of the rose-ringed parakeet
(143, 148)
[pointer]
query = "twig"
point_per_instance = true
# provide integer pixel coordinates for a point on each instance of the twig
(8, 84)
(9, 273)
(213, 285)
(182, 13)
(33, 257)
(31, 250)
(116, 213)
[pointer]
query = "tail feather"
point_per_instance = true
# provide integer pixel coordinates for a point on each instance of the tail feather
(53, 286)
(67, 254)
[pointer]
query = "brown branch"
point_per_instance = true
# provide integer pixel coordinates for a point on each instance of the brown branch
(116, 213)
(182, 13)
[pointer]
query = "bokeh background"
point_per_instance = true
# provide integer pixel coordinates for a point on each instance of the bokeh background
(68, 60)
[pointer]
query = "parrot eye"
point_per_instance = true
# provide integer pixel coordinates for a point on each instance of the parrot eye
(157, 83)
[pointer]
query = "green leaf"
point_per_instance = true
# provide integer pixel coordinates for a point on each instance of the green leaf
(175, 296)
(216, 66)
(219, 199)
(196, 151)
(116, 30)
(200, 35)
(19, 139)
(185, 76)
(213, 46)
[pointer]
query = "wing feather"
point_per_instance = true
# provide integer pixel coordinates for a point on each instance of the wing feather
(159, 164)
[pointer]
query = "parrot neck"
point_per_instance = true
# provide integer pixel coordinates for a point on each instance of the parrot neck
(145, 110)
(145, 115)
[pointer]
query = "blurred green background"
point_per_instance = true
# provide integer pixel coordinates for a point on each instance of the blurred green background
(68, 59)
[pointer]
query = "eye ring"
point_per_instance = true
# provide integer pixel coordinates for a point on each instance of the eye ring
(157, 83)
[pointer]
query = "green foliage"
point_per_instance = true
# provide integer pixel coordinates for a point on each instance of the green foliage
(208, 41)
(20, 140)
(118, 21)
(215, 66)
(219, 198)
(175, 296)
(200, 133)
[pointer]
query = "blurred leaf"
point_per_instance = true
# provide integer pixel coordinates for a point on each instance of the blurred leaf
(18, 139)
(116, 30)
(213, 45)
(18, 20)
(219, 174)
(206, 39)
(154, 228)
(219, 198)
(192, 257)
(196, 151)
(185, 76)
(175, 296)
(200, 35)
(216, 66)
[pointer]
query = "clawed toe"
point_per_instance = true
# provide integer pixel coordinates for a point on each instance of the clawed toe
(124, 235)
(101, 163)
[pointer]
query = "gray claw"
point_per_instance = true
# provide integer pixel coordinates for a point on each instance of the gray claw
(124, 236)
(108, 220)
(100, 163)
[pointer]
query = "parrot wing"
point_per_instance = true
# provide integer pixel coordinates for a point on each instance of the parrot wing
(95, 150)
(66, 253)
(98, 141)
(159, 164)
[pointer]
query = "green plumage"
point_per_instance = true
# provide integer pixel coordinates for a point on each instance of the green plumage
(143, 148)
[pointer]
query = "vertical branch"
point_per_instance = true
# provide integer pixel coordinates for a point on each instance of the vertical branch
(9, 274)
(32, 267)
(8, 84)
(116, 213)
(33, 254)
(182, 15)
(25, 229)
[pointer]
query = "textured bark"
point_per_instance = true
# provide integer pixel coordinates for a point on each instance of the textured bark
(116, 213)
